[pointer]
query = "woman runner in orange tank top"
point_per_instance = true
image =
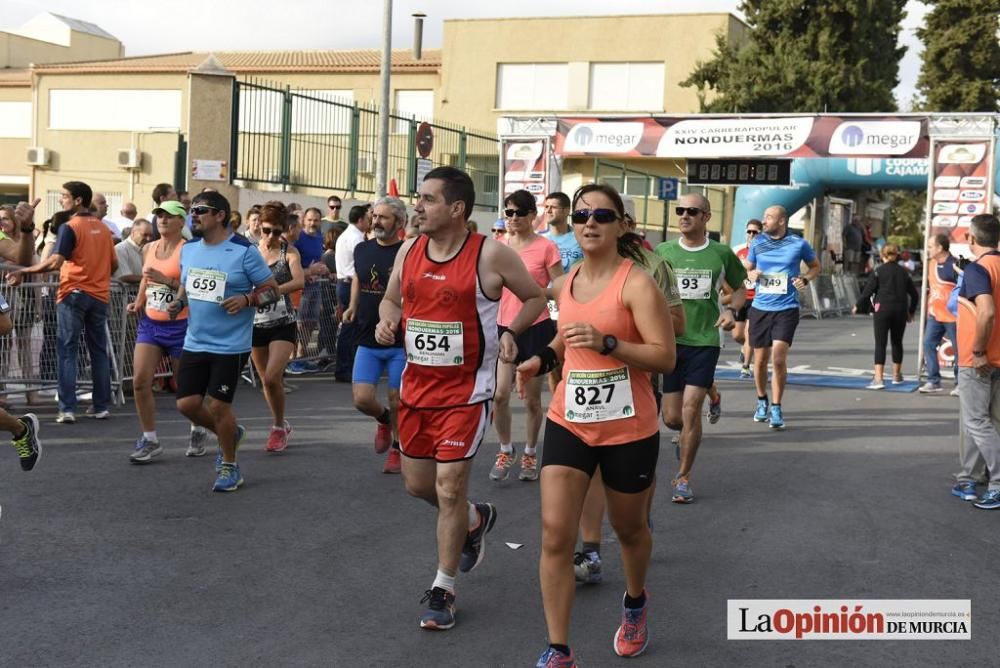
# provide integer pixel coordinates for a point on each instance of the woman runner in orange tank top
(157, 334)
(603, 414)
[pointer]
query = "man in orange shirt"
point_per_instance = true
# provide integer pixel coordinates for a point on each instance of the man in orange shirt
(941, 278)
(979, 363)
(84, 255)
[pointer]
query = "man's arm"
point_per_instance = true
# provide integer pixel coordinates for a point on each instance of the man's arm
(985, 313)
(390, 309)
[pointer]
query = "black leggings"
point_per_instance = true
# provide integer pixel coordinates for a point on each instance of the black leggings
(889, 324)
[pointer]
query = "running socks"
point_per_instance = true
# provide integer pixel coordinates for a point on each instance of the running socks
(384, 417)
(150, 436)
(444, 581)
(529, 451)
(507, 448)
(560, 648)
(634, 603)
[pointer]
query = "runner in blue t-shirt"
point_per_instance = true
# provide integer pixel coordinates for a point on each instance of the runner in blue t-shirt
(774, 261)
(556, 209)
(222, 276)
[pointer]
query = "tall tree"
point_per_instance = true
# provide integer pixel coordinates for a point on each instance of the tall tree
(961, 59)
(807, 56)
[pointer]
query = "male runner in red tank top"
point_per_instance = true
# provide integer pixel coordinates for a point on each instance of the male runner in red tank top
(444, 292)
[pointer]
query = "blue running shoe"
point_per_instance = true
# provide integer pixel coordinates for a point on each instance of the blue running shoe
(475, 542)
(777, 422)
(989, 501)
(965, 491)
(587, 567)
(229, 479)
(241, 433)
(440, 612)
(682, 491)
(553, 658)
(761, 414)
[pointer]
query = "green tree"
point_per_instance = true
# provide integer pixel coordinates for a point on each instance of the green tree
(806, 56)
(961, 58)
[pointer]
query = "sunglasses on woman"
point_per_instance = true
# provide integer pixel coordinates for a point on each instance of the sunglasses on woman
(603, 216)
(518, 213)
(751, 233)
(273, 231)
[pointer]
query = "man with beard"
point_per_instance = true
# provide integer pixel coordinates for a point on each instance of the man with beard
(373, 262)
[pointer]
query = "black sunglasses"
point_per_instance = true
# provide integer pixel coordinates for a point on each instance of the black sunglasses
(689, 210)
(604, 216)
(202, 209)
(752, 232)
(273, 231)
(520, 213)
(334, 206)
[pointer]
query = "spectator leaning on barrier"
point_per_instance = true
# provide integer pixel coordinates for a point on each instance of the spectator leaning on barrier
(129, 251)
(84, 255)
(100, 208)
(351, 237)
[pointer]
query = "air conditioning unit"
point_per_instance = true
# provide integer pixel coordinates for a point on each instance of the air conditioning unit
(38, 156)
(366, 164)
(129, 158)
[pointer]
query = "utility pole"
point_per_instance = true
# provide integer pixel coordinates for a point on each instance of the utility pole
(382, 159)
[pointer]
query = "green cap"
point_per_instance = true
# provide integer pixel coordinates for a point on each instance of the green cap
(171, 208)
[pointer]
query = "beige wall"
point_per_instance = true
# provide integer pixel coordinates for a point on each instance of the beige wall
(90, 156)
(17, 51)
(365, 85)
(473, 48)
(14, 151)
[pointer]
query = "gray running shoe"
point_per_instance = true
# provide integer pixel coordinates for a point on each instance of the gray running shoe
(196, 444)
(715, 410)
(587, 567)
(145, 450)
(501, 468)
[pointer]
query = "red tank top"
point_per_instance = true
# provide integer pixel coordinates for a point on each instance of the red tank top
(607, 402)
(449, 329)
(159, 297)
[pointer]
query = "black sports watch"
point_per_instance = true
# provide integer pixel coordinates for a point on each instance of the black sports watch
(733, 311)
(610, 343)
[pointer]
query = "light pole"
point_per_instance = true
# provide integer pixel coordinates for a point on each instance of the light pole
(382, 158)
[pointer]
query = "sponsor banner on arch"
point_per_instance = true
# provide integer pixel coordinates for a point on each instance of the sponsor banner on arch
(525, 163)
(744, 137)
(960, 188)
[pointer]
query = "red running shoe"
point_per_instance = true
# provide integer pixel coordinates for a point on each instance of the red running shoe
(277, 441)
(632, 636)
(392, 462)
(383, 438)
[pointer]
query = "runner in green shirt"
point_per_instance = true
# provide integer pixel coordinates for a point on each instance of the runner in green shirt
(701, 266)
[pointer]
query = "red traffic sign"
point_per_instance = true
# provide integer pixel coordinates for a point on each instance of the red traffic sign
(425, 139)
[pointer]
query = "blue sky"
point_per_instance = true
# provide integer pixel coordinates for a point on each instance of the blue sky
(243, 25)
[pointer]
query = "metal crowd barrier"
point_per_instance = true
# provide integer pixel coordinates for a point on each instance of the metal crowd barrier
(28, 363)
(829, 295)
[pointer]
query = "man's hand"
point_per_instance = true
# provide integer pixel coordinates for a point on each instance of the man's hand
(175, 308)
(15, 278)
(385, 332)
(319, 270)
(799, 284)
(508, 347)
(583, 335)
(525, 371)
(727, 320)
(235, 304)
(982, 365)
(753, 275)
(24, 213)
(349, 315)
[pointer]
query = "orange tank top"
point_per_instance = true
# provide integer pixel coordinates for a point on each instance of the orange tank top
(937, 299)
(449, 329)
(967, 314)
(159, 297)
(600, 399)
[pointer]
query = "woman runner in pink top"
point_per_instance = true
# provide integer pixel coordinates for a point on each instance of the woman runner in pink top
(603, 414)
(541, 257)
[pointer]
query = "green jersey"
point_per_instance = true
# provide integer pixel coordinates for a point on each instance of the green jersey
(700, 273)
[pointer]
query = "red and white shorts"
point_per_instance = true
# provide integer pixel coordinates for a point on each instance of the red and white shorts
(446, 435)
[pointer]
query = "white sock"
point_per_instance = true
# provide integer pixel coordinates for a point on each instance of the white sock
(445, 581)
(150, 436)
(507, 447)
(473, 517)
(195, 429)
(529, 451)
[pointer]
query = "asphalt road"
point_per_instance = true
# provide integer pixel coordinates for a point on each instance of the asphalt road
(321, 560)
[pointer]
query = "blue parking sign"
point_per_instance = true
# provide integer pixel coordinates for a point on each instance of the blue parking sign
(668, 189)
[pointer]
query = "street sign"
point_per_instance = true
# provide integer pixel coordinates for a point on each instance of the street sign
(425, 140)
(668, 189)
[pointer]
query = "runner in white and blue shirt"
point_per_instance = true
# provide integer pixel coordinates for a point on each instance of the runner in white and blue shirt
(775, 260)
(222, 276)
